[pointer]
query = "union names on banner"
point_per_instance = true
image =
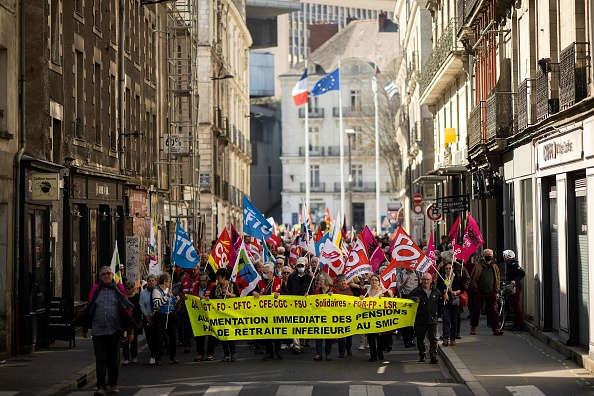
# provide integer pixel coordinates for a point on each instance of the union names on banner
(313, 317)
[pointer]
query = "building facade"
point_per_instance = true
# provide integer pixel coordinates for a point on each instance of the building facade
(10, 133)
(357, 63)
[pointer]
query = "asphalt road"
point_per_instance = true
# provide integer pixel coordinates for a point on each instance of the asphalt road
(399, 373)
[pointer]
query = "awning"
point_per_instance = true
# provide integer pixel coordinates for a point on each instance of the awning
(452, 170)
(429, 179)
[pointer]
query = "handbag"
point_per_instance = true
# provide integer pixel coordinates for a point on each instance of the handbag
(455, 301)
(463, 298)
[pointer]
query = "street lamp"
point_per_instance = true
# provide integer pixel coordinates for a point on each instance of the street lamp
(225, 77)
(350, 133)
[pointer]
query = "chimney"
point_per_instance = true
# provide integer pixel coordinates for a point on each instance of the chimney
(382, 21)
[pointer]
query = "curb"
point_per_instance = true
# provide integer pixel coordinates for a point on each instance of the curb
(83, 376)
(460, 371)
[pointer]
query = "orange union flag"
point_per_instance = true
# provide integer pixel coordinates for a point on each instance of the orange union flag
(221, 252)
(407, 254)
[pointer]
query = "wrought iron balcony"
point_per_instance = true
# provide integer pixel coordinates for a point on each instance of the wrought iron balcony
(363, 111)
(499, 115)
(356, 186)
(314, 187)
(476, 126)
(446, 46)
(314, 151)
(547, 90)
(313, 113)
(574, 74)
(525, 114)
(334, 151)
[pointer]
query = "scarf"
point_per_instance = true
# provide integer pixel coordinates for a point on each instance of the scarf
(123, 300)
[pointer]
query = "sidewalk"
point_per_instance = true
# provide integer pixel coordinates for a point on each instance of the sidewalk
(515, 363)
(488, 365)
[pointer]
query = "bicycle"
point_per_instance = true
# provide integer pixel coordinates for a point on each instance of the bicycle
(504, 309)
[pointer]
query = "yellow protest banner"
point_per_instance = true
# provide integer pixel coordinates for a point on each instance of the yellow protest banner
(319, 316)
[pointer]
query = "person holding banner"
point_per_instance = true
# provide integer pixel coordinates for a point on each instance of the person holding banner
(426, 321)
(342, 287)
(407, 281)
(376, 340)
(203, 289)
(449, 284)
(299, 284)
(484, 282)
(223, 290)
(165, 317)
(324, 287)
(271, 286)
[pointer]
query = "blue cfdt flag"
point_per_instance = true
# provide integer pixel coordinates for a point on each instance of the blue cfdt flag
(254, 223)
(331, 82)
(184, 255)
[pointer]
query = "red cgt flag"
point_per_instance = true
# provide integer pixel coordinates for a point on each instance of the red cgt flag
(407, 254)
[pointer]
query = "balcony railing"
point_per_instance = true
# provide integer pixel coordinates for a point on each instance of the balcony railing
(314, 187)
(547, 90)
(476, 125)
(334, 151)
(500, 115)
(314, 151)
(574, 74)
(356, 186)
(313, 113)
(446, 45)
(525, 106)
(352, 112)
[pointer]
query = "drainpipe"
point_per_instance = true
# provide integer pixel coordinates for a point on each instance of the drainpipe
(17, 178)
(122, 83)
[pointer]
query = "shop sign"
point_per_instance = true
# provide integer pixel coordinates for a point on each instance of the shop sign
(560, 150)
(137, 199)
(45, 186)
(102, 190)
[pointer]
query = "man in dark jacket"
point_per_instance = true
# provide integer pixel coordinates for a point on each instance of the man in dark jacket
(484, 282)
(514, 275)
(299, 284)
(426, 321)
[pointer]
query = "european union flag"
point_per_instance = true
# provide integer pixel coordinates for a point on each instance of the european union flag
(329, 83)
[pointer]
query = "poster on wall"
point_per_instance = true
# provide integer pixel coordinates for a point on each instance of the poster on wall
(132, 257)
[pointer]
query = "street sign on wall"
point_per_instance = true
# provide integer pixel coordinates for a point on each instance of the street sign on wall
(176, 144)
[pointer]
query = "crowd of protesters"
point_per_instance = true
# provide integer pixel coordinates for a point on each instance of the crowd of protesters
(157, 305)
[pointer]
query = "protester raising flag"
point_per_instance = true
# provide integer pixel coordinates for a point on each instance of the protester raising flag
(295, 251)
(236, 241)
(183, 255)
(453, 237)
(357, 262)
(244, 274)
(153, 260)
(374, 251)
(388, 277)
(330, 82)
(115, 264)
(472, 239)
(431, 255)
(331, 260)
(300, 90)
(320, 244)
(221, 252)
(254, 223)
(407, 254)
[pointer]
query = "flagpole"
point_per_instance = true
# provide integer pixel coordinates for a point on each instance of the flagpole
(377, 172)
(307, 170)
(341, 133)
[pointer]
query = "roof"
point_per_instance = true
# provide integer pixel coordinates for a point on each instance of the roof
(360, 39)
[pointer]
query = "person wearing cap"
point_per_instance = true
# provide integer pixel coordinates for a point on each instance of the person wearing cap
(299, 283)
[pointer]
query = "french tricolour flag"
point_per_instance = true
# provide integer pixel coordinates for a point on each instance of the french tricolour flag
(300, 90)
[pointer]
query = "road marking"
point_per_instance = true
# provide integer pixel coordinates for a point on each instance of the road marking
(436, 391)
(294, 390)
(155, 391)
(525, 390)
(366, 390)
(223, 390)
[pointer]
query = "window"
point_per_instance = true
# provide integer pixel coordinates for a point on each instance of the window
(56, 28)
(3, 90)
(112, 113)
(314, 176)
(78, 7)
(357, 175)
(314, 138)
(113, 22)
(79, 98)
(56, 140)
(97, 14)
(355, 100)
(357, 139)
(97, 103)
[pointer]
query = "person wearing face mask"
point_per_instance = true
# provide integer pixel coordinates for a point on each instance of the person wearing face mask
(299, 284)
(270, 285)
(484, 282)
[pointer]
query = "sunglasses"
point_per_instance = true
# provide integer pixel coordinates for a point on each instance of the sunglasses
(105, 273)
(286, 273)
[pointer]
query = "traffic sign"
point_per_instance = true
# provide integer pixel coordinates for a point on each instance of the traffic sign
(433, 212)
(418, 208)
(386, 223)
(417, 198)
